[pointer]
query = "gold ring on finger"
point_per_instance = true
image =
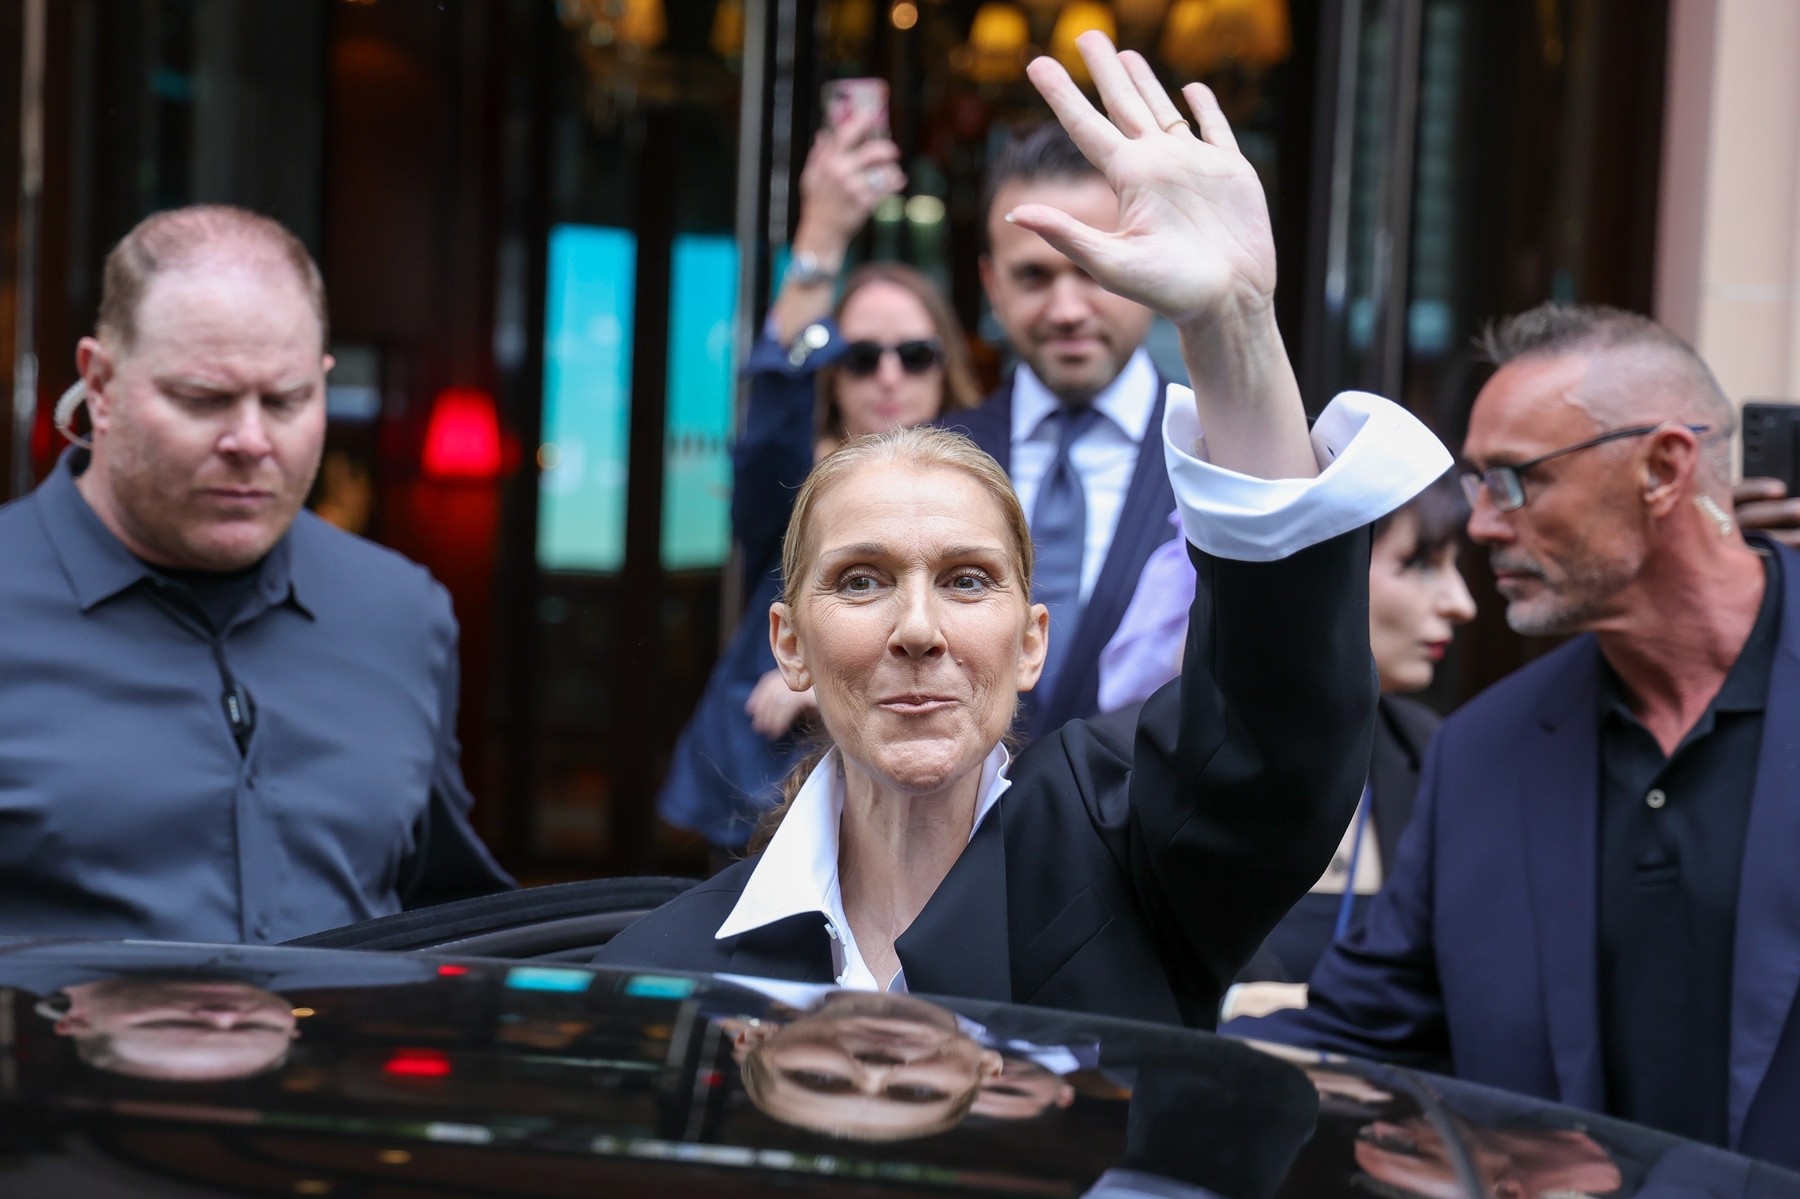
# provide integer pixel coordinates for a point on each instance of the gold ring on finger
(1170, 127)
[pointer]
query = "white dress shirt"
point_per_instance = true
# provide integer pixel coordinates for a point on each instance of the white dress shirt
(1105, 459)
(1373, 456)
(799, 869)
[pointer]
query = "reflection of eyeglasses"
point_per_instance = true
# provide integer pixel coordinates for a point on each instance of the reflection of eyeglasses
(1506, 485)
(863, 358)
(821, 1083)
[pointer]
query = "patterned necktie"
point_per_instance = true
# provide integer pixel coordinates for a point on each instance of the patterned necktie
(1059, 537)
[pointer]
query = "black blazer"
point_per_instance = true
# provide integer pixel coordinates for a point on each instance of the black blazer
(1130, 879)
(1403, 728)
(1143, 525)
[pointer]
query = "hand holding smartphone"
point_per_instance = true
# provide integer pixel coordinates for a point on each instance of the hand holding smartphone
(862, 104)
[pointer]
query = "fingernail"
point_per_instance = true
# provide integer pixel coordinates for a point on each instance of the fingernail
(1008, 218)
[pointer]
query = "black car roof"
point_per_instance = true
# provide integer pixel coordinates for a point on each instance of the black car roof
(401, 1074)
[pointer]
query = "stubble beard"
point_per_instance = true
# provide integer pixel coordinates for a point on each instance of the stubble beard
(1571, 605)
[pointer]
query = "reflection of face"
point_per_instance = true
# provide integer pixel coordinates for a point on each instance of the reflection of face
(178, 1030)
(208, 429)
(1414, 606)
(1074, 334)
(868, 1066)
(887, 314)
(1023, 1090)
(1562, 560)
(911, 624)
(1512, 1163)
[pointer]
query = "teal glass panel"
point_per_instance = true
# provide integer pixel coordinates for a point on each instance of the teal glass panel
(587, 399)
(548, 978)
(696, 530)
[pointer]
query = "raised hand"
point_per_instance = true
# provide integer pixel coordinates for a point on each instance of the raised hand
(1192, 242)
(1193, 239)
(847, 173)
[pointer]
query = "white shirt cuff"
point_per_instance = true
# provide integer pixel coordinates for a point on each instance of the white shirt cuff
(1373, 456)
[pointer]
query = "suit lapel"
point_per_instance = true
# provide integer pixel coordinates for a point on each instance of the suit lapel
(1143, 525)
(958, 944)
(1559, 771)
(795, 949)
(1393, 780)
(989, 425)
(1766, 965)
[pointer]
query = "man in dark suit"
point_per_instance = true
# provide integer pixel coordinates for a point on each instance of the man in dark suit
(1596, 900)
(1098, 505)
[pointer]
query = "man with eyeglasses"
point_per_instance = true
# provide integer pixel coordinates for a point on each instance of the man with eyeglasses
(1596, 900)
(1070, 423)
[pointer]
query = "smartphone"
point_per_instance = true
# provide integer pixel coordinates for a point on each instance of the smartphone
(1772, 441)
(843, 99)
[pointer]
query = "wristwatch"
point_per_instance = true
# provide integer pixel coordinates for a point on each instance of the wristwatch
(805, 270)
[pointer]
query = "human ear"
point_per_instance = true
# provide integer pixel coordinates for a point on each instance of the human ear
(989, 1066)
(784, 643)
(1669, 466)
(1034, 646)
(94, 363)
(988, 276)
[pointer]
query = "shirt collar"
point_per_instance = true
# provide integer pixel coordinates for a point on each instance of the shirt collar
(798, 871)
(1128, 401)
(1746, 685)
(97, 564)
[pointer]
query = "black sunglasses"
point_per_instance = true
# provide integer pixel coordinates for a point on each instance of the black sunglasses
(863, 358)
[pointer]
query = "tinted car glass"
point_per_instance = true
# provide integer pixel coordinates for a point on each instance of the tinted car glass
(165, 1070)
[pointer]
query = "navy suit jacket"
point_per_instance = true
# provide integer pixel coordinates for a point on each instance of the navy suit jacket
(1479, 955)
(1143, 525)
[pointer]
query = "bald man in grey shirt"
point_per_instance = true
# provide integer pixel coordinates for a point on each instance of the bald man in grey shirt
(221, 719)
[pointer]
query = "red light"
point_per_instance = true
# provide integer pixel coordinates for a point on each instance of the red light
(463, 439)
(418, 1063)
(451, 970)
(712, 1078)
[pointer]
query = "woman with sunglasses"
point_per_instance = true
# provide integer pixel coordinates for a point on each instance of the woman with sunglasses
(890, 354)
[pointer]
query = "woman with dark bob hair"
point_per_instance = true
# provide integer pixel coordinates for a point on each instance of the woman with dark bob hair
(890, 354)
(1128, 876)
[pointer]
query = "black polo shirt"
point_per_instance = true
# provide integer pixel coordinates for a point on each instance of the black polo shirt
(1671, 853)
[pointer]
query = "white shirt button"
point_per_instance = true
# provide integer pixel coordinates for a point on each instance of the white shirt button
(1656, 798)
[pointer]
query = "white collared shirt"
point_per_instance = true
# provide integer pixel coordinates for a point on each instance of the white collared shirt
(1373, 456)
(798, 872)
(1105, 458)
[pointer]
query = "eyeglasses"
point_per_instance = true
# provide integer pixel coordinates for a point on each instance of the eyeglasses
(863, 358)
(1506, 484)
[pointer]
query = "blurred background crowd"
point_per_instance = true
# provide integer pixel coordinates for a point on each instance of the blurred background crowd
(552, 233)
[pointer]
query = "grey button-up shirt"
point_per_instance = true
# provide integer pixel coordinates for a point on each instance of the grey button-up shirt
(126, 806)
